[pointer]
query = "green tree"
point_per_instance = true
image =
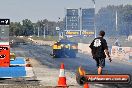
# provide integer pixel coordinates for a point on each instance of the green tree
(27, 27)
(15, 29)
(127, 18)
(106, 20)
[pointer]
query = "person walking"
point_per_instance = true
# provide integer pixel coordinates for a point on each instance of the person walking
(99, 50)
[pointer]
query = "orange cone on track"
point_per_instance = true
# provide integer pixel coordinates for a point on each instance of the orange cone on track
(86, 85)
(28, 64)
(62, 78)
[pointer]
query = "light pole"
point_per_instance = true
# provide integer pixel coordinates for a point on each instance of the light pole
(94, 19)
(116, 21)
(34, 30)
(38, 31)
(44, 30)
(34, 27)
(47, 29)
(80, 21)
(59, 27)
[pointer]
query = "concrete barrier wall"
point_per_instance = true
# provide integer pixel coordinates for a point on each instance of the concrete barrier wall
(84, 48)
(41, 42)
(130, 37)
(121, 52)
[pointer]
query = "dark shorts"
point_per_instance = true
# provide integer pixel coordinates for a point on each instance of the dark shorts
(100, 62)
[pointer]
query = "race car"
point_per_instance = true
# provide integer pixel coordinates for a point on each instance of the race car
(64, 48)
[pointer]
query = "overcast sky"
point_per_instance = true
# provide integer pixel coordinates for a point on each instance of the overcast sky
(16, 10)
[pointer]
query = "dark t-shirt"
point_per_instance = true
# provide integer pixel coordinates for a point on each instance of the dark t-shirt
(98, 46)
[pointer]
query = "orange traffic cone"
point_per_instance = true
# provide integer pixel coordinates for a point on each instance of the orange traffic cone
(86, 85)
(62, 78)
(28, 64)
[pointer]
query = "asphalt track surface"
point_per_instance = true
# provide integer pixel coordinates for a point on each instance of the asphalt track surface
(71, 65)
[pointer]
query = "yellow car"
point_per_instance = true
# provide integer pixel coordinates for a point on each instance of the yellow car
(65, 48)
